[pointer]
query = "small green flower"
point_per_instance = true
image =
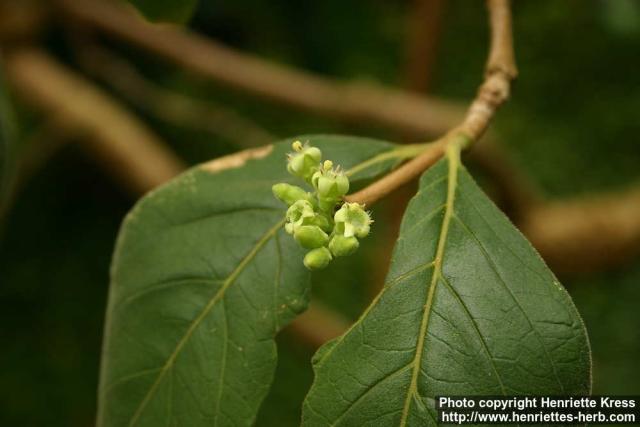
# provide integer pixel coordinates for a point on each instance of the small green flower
(343, 246)
(311, 217)
(304, 161)
(297, 214)
(317, 259)
(352, 220)
(330, 183)
(310, 236)
(290, 194)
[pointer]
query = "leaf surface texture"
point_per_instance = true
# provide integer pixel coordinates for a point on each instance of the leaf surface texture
(203, 278)
(468, 308)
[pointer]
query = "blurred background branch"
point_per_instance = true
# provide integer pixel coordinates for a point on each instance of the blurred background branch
(424, 28)
(123, 144)
(352, 101)
(167, 105)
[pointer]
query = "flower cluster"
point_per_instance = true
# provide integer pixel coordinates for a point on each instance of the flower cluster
(312, 217)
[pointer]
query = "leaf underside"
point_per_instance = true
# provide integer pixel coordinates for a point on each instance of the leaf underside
(203, 277)
(468, 308)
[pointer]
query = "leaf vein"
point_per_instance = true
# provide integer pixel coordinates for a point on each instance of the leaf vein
(477, 330)
(212, 302)
(504, 284)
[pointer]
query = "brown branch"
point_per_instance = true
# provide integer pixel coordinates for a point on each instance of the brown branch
(348, 101)
(500, 70)
(587, 234)
(424, 28)
(168, 105)
(400, 176)
(131, 150)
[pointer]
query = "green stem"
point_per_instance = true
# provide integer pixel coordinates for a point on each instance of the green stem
(399, 153)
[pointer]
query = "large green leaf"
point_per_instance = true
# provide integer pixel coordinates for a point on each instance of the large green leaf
(203, 277)
(178, 11)
(468, 308)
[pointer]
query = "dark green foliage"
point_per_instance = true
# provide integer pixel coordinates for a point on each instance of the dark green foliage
(203, 278)
(468, 308)
(53, 282)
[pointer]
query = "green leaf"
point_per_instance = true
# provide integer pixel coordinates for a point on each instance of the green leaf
(203, 277)
(468, 308)
(177, 11)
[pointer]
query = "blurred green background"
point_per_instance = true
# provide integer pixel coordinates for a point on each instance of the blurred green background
(572, 125)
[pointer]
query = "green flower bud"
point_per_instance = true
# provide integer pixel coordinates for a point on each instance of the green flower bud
(343, 246)
(317, 259)
(310, 236)
(352, 220)
(331, 183)
(304, 161)
(311, 218)
(323, 222)
(327, 206)
(297, 214)
(290, 194)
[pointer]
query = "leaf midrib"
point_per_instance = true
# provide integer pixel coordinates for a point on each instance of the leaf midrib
(194, 325)
(453, 160)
